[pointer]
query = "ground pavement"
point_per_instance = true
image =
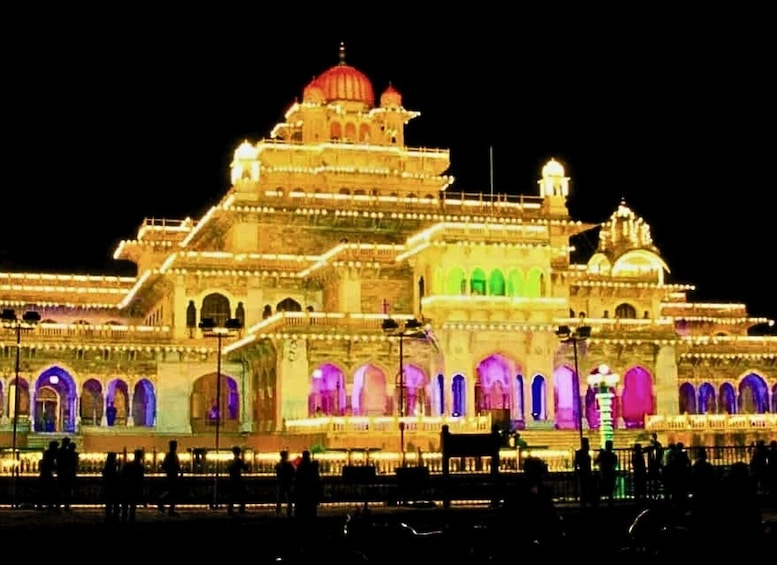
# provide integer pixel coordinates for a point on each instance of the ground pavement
(197, 531)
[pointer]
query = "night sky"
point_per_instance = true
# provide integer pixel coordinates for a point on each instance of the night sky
(138, 115)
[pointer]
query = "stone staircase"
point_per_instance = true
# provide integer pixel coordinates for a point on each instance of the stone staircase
(40, 441)
(569, 440)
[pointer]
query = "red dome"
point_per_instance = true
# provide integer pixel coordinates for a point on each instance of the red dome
(344, 82)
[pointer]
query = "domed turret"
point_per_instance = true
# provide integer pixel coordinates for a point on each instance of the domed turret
(313, 93)
(552, 169)
(625, 231)
(391, 98)
(553, 181)
(626, 248)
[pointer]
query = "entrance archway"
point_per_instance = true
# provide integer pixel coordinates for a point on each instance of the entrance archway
(54, 408)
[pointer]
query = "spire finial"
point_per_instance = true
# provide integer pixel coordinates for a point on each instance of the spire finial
(342, 53)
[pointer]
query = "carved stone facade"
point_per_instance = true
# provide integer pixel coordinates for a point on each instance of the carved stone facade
(330, 226)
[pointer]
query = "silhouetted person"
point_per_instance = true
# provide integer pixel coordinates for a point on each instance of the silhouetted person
(584, 475)
(740, 513)
(607, 461)
(171, 466)
(759, 461)
(704, 489)
(237, 487)
(110, 414)
(655, 464)
(284, 484)
(307, 489)
(48, 489)
(771, 471)
(639, 473)
(132, 478)
(529, 517)
(111, 487)
(677, 473)
(67, 461)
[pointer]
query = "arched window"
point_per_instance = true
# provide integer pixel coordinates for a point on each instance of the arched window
(496, 283)
(625, 311)
(534, 283)
(191, 315)
(240, 314)
(216, 307)
(335, 131)
(288, 305)
(478, 282)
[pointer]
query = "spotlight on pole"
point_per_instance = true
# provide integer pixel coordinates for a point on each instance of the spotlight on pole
(211, 329)
(411, 328)
(26, 323)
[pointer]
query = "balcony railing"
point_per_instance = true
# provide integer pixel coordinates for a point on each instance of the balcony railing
(49, 332)
(388, 424)
(712, 422)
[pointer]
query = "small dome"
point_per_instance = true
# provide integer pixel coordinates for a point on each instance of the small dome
(391, 98)
(552, 169)
(313, 93)
(245, 151)
(346, 83)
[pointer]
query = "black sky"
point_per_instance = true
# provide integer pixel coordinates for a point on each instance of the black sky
(111, 120)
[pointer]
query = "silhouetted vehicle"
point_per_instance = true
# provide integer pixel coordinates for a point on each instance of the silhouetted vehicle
(664, 532)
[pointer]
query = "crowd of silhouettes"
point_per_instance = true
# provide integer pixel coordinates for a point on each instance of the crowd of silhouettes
(57, 474)
(681, 478)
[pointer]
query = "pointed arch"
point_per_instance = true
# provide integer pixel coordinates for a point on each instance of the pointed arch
(496, 283)
(707, 403)
(519, 401)
(118, 396)
(215, 306)
(459, 395)
(55, 401)
(534, 281)
(91, 407)
(208, 404)
(625, 311)
(687, 399)
(144, 404)
(637, 398)
(327, 394)
(477, 284)
(565, 398)
(539, 409)
(753, 395)
(288, 304)
(728, 399)
(439, 395)
(369, 395)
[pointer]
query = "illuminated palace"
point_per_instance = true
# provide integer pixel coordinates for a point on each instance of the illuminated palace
(330, 227)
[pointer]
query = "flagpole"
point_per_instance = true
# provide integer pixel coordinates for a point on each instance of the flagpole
(491, 169)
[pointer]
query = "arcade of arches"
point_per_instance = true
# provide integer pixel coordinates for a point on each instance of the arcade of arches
(500, 389)
(51, 402)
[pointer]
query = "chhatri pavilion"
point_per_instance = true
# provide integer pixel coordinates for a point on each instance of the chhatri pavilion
(342, 285)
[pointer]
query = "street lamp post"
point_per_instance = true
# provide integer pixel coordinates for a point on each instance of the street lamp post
(19, 325)
(210, 329)
(604, 382)
(578, 335)
(408, 328)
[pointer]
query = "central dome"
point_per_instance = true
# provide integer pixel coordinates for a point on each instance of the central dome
(345, 83)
